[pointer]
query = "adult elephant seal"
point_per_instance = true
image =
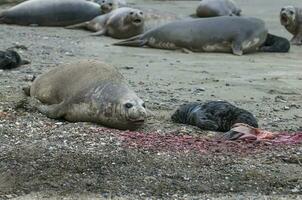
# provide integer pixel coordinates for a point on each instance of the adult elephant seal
(89, 91)
(218, 34)
(111, 3)
(214, 8)
(50, 12)
(291, 19)
(120, 23)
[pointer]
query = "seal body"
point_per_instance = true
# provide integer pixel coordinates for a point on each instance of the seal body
(50, 12)
(10, 59)
(217, 34)
(120, 23)
(213, 115)
(291, 19)
(89, 91)
(214, 8)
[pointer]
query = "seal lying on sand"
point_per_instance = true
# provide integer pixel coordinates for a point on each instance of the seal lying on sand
(50, 12)
(213, 115)
(109, 5)
(214, 8)
(10, 59)
(88, 91)
(291, 19)
(218, 34)
(120, 23)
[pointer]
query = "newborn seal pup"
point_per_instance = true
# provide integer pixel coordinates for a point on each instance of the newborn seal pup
(275, 43)
(291, 19)
(214, 8)
(88, 91)
(217, 34)
(50, 12)
(120, 23)
(213, 115)
(10, 59)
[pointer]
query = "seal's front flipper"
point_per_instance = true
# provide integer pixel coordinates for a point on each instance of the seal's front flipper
(135, 41)
(237, 48)
(54, 111)
(99, 33)
(207, 125)
(297, 40)
(275, 43)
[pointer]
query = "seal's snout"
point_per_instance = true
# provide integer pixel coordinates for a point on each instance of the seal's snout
(137, 17)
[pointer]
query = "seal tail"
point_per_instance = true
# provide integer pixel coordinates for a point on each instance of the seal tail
(275, 43)
(136, 41)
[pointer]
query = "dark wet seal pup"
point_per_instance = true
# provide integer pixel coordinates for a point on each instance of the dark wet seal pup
(235, 35)
(213, 115)
(215, 8)
(120, 23)
(50, 12)
(88, 91)
(10, 59)
(275, 43)
(291, 19)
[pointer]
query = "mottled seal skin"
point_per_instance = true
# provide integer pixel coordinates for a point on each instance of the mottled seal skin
(120, 23)
(215, 8)
(291, 19)
(217, 34)
(89, 91)
(10, 59)
(50, 12)
(213, 115)
(275, 43)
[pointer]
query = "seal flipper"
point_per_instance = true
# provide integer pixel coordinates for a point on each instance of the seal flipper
(237, 48)
(207, 125)
(99, 33)
(275, 43)
(136, 41)
(54, 111)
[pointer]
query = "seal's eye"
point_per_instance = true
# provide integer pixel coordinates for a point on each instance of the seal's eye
(144, 105)
(131, 13)
(110, 4)
(103, 1)
(141, 13)
(282, 9)
(128, 105)
(291, 12)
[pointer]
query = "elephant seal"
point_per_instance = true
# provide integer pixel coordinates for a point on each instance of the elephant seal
(89, 91)
(50, 12)
(10, 59)
(214, 8)
(291, 19)
(120, 23)
(217, 34)
(213, 115)
(110, 4)
(275, 43)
